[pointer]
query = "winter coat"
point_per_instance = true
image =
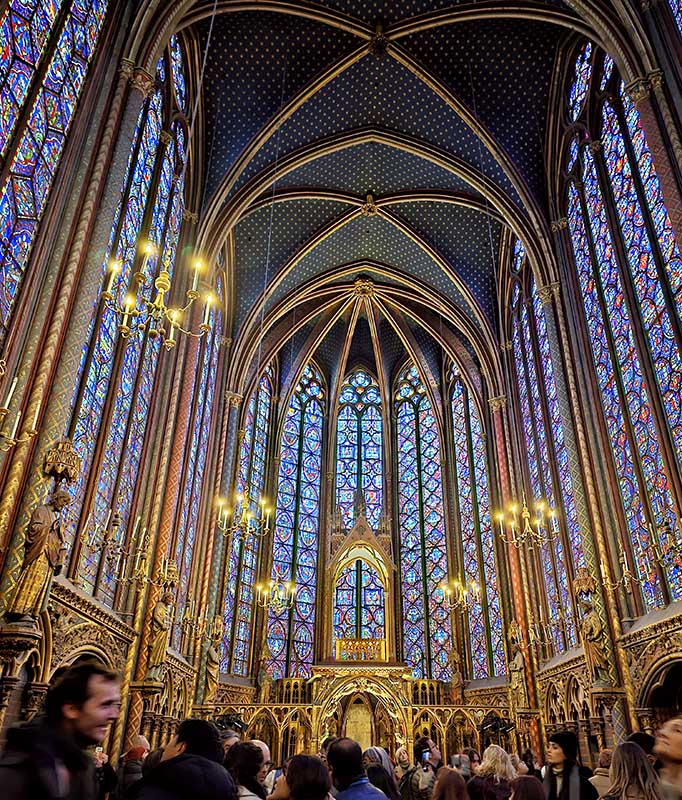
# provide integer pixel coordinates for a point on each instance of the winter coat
(417, 784)
(487, 788)
(183, 777)
(42, 762)
(575, 786)
(129, 774)
(600, 780)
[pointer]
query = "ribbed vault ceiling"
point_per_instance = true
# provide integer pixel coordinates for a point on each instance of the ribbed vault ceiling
(439, 110)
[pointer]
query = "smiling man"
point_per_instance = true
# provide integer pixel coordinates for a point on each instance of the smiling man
(47, 758)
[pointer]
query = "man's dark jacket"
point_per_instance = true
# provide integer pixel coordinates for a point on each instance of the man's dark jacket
(41, 762)
(185, 777)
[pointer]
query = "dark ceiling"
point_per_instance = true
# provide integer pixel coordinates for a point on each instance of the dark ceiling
(300, 108)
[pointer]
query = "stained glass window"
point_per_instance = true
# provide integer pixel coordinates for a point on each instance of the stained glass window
(676, 8)
(581, 84)
(359, 448)
(427, 632)
(650, 261)
(478, 545)
(195, 465)
(545, 444)
(126, 371)
(243, 552)
(359, 602)
(24, 31)
(291, 634)
(25, 27)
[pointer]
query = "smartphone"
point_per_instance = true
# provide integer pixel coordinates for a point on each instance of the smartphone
(425, 759)
(99, 749)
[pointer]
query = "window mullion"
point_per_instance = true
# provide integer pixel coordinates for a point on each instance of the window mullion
(525, 378)
(422, 532)
(102, 303)
(553, 461)
(660, 421)
(117, 369)
(622, 395)
(294, 546)
(477, 529)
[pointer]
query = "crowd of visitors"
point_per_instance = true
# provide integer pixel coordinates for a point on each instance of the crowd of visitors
(58, 756)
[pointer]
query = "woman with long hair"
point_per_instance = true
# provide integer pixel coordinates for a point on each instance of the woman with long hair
(493, 778)
(244, 761)
(449, 785)
(378, 776)
(474, 759)
(303, 778)
(631, 775)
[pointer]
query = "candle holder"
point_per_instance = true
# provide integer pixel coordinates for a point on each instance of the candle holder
(277, 595)
(668, 554)
(540, 632)
(11, 438)
(526, 530)
(243, 521)
(627, 577)
(459, 595)
(139, 314)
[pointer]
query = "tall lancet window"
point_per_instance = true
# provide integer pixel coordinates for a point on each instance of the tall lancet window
(359, 605)
(291, 633)
(546, 455)
(629, 278)
(243, 555)
(193, 489)
(359, 448)
(486, 641)
(427, 630)
(112, 401)
(46, 49)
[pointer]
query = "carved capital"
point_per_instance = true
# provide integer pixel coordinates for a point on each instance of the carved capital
(656, 79)
(559, 224)
(226, 341)
(165, 137)
(595, 145)
(638, 90)
(142, 81)
(127, 68)
(190, 216)
(235, 400)
(548, 293)
(497, 403)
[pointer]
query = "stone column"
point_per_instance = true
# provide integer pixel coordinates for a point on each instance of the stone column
(79, 285)
(639, 91)
(224, 484)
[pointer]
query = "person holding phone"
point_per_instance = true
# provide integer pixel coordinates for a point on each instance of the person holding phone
(418, 782)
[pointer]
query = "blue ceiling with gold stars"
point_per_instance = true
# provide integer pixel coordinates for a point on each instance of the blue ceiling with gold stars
(301, 109)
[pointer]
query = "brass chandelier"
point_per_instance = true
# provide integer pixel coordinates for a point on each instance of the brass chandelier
(277, 595)
(242, 521)
(139, 314)
(526, 529)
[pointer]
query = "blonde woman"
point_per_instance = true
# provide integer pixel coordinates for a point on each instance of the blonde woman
(631, 775)
(493, 779)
